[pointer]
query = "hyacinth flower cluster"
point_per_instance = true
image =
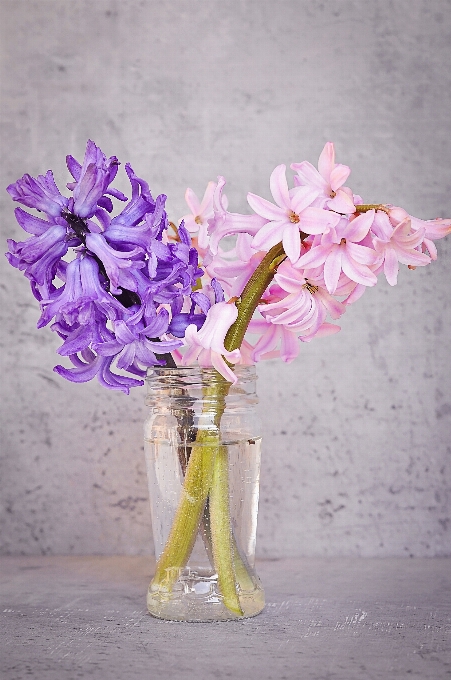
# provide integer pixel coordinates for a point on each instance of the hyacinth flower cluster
(114, 287)
(298, 261)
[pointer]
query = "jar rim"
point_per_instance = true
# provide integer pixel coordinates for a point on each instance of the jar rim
(203, 372)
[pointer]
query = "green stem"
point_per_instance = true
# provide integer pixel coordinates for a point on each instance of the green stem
(221, 532)
(251, 296)
(228, 562)
(242, 570)
(184, 528)
(196, 487)
(372, 206)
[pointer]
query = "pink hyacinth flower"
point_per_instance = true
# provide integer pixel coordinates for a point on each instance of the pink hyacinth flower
(271, 336)
(340, 250)
(328, 180)
(225, 223)
(233, 274)
(433, 229)
(207, 345)
(307, 302)
(201, 212)
(292, 214)
(399, 244)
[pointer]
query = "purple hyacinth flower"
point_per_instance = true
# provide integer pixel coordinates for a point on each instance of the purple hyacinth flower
(40, 193)
(109, 299)
(38, 256)
(115, 261)
(141, 201)
(92, 180)
(82, 298)
(132, 345)
(100, 367)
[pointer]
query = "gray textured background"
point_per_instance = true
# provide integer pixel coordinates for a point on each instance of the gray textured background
(357, 454)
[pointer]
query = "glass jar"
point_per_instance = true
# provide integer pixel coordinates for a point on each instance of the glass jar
(202, 443)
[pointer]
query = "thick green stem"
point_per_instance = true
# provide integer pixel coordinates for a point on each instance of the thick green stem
(183, 532)
(221, 532)
(196, 487)
(251, 296)
(242, 570)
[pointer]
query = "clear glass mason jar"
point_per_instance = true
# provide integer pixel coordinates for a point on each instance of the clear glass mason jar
(202, 443)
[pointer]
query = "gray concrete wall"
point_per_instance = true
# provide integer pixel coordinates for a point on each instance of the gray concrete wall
(357, 452)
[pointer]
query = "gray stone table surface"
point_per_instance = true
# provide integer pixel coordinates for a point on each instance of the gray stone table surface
(325, 619)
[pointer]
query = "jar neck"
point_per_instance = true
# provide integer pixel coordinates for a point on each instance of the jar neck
(199, 384)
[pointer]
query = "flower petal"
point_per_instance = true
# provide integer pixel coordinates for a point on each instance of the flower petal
(265, 208)
(279, 187)
(292, 242)
(332, 268)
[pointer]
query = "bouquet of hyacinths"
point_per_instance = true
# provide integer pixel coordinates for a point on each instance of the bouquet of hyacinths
(130, 290)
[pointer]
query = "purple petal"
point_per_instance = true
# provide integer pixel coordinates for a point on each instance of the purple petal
(30, 223)
(82, 373)
(74, 167)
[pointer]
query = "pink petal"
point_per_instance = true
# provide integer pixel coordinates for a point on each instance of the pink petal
(309, 176)
(326, 161)
(190, 223)
(270, 234)
(342, 203)
(258, 326)
(292, 242)
(267, 342)
(338, 176)
(391, 266)
(289, 348)
(331, 304)
(413, 257)
(222, 368)
(357, 272)
(438, 228)
(207, 201)
(203, 238)
(233, 223)
(432, 250)
(411, 241)
(332, 268)
(314, 257)
(194, 348)
(322, 332)
(382, 226)
(310, 320)
(316, 220)
(291, 282)
(279, 187)
(299, 307)
(266, 209)
(355, 295)
(244, 250)
(329, 237)
(301, 198)
(192, 201)
(397, 215)
(361, 254)
(357, 229)
(405, 227)
(219, 319)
